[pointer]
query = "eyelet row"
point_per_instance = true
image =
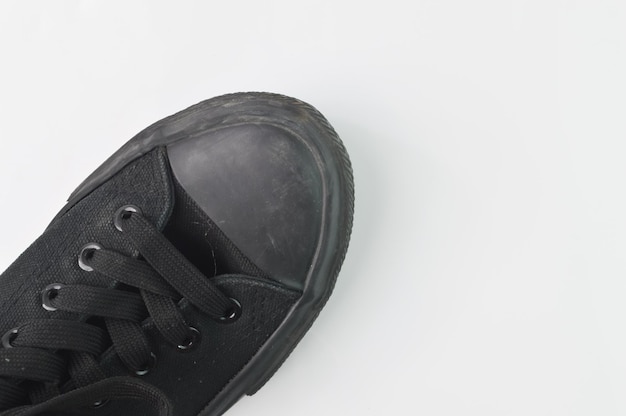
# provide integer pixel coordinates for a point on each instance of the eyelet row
(86, 254)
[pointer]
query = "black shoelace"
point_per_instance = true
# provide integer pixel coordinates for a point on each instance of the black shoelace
(30, 366)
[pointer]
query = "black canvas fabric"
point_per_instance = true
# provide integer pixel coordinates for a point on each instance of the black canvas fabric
(181, 376)
(225, 349)
(53, 258)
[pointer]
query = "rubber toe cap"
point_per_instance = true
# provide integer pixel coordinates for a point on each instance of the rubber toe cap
(263, 186)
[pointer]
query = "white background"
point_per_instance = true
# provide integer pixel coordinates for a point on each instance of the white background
(487, 270)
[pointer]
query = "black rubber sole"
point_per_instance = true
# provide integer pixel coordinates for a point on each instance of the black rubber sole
(332, 247)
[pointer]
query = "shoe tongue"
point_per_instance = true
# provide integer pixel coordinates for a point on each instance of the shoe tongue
(191, 234)
(53, 258)
(202, 242)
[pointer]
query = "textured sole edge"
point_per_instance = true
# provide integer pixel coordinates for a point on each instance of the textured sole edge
(264, 364)
(341, 155)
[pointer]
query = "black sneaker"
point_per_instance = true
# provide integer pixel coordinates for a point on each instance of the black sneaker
(184, 270)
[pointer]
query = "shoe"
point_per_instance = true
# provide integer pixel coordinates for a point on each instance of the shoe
(184, 270)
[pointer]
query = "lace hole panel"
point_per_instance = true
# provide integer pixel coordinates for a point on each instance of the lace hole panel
(86, 255)
(9, 338)
(148, 367)
(192, 340)
(49, 294)
(123, 214)
(233, 313)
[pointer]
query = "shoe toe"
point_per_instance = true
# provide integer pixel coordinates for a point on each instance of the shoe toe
(263, 186)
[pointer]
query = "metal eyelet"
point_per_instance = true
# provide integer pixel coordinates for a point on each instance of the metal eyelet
(9, 338)
(100, 404)
(124, 214)
(232, 314)
(192, 340)
(148, 367)
(86, 253)
(49, 294)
